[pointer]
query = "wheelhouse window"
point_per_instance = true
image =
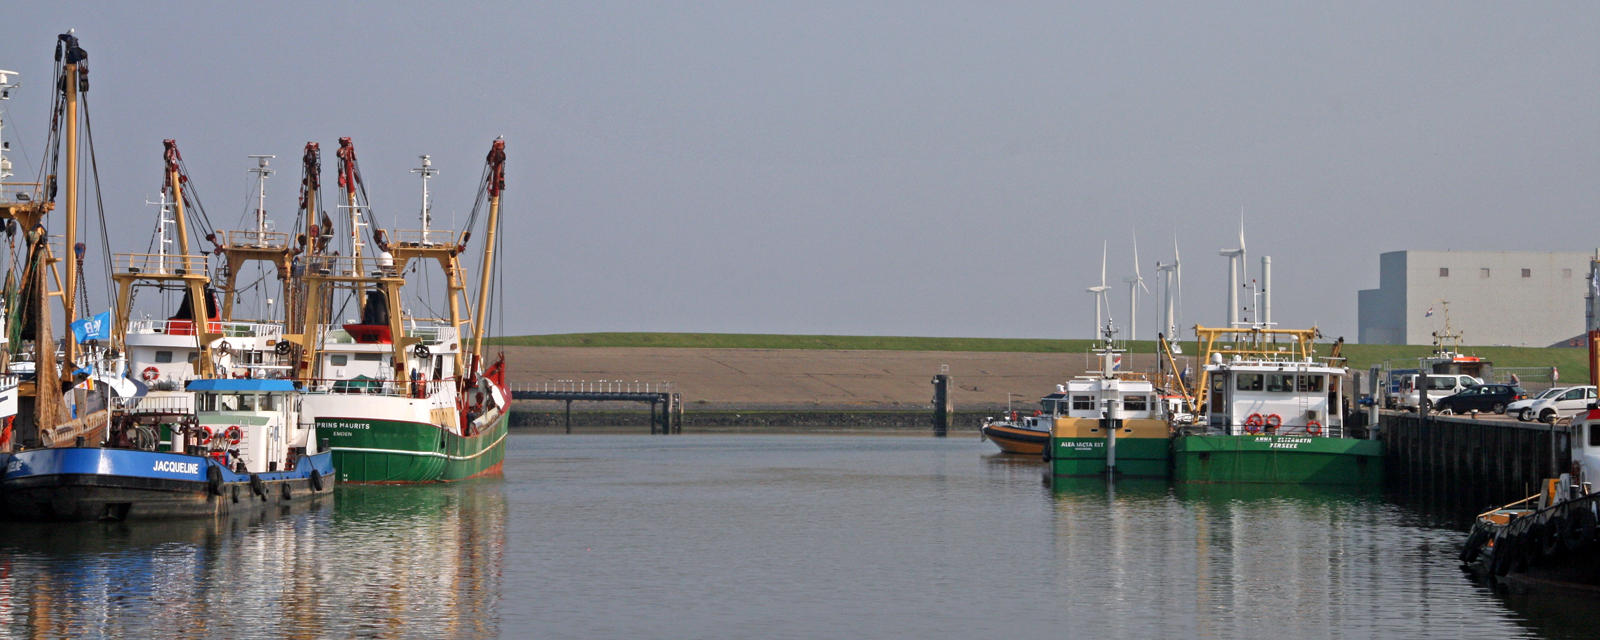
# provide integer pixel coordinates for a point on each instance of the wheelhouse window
(1083, 403)
(163, 357)
(1444, 272)
(1280, 382)
(369, 357)
(1308, 383)
(1247, 382)
(1136, 403)
(1049, 406)
(1594, 435)
(206, 401)
(338, 360)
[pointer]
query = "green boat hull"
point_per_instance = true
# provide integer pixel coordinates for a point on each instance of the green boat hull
(368, 451)
(1136, 457)
(1277, 459)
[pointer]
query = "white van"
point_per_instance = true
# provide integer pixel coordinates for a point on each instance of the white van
(1436, 385)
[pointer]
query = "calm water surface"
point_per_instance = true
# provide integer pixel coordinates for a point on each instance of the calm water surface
(771, 536)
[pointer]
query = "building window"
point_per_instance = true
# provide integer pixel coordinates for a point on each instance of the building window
(1444, 272)
(1527, 273)
(1566, 273)
(1483, 272)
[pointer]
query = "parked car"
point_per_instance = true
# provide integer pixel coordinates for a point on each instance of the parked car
(1566, 405)
(1493, 398)
(1523, 409)
(1438, 386)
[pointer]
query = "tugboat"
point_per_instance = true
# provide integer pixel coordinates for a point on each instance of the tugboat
(1549, 537)
(244, 448)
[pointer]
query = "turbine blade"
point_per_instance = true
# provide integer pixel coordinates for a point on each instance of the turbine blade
(1103, 245)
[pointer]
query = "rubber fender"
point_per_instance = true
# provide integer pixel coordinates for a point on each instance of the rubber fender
(257, 486)
(214, 480)
(316, 480)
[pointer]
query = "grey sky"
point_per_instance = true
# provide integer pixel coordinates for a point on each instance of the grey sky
(870, 168)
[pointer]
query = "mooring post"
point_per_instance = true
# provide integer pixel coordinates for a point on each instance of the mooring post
(569, 417)
(942, 402)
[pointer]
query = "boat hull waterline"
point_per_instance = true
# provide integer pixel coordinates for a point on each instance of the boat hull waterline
(91, 483)
(370, 451)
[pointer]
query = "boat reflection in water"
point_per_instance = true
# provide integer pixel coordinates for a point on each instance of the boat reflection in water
(1228, 560)
(367, 561)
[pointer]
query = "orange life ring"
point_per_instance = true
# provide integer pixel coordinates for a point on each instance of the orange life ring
(206, 439)
(233, 434)
(150, 374)
(1273, 421)
(1255, 420)
(1314, 428)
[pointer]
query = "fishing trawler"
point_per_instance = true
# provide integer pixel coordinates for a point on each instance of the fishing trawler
(1108, 423)
(397, 398)
(1269, 411)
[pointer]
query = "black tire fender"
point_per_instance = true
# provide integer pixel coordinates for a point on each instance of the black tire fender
(214, 480)
(257, 486)
(316, 480)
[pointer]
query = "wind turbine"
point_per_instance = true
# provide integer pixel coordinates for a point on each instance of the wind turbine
(1171, 283)
(1100, 291)
(1233, 273)
(1134, 285)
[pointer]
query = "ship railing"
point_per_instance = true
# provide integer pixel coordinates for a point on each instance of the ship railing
(367, 266)
(256, 239)
(159, 264)
(230, 329)
(183, 404)
(11, 194)
(419, 388)
(431, 334)
(419, 238)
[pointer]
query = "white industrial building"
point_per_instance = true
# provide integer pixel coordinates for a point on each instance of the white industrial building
(1517, 298)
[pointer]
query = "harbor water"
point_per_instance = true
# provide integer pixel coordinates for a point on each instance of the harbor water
(803, 536)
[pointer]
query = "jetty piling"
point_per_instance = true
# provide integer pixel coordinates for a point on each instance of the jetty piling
(943, 405)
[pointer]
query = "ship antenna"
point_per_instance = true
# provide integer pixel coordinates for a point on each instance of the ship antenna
(426, 171)
(261, 172)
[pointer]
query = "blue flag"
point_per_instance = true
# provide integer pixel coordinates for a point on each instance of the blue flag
(95, 327)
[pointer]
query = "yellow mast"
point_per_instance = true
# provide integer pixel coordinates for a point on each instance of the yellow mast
(69, 288)
(496, 185)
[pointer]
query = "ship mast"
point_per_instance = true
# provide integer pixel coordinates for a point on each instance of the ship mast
(495, 185)
(239, 247)
(189, 274)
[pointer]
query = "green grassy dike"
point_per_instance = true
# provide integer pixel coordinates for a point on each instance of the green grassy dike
(1572, 362)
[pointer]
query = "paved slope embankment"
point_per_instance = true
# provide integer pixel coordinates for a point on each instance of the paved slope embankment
(801, 378)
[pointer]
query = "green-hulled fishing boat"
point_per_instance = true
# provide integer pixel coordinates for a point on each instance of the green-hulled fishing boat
(400, 399)
(1271, 413)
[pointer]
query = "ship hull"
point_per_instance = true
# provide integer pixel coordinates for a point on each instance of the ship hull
(85, 483)
(1012, 439)
(375, 451)
(1136, 457)
(1277, 459)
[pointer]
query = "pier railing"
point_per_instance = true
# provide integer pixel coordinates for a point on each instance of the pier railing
(668, 419)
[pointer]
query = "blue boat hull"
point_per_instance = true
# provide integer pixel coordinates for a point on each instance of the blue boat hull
(88, 483)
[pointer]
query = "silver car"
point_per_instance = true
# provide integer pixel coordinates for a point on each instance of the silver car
(1570, 403)
(1523, 409)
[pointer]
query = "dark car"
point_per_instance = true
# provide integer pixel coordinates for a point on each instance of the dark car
(1484, 397)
